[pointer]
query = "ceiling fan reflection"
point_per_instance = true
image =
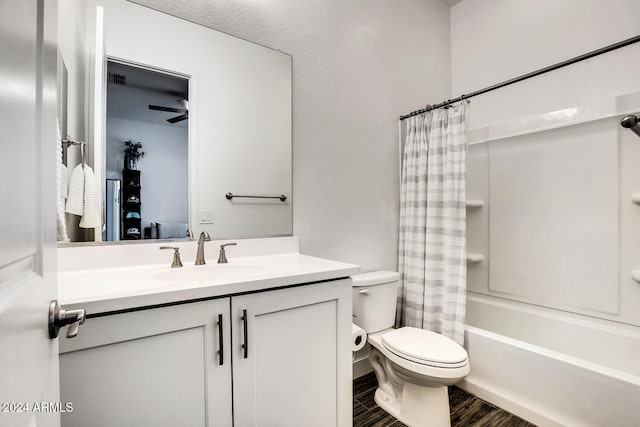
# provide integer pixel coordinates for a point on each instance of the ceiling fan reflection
(184, 112)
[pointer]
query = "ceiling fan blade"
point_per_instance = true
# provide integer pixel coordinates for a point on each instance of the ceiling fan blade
(180, 118)
(168, 109)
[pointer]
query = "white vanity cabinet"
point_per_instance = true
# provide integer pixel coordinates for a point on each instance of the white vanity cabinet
(285, 361)
(156, 367)
(297, 366)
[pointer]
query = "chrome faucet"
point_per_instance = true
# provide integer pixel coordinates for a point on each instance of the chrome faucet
(222, 259)
(204, 237)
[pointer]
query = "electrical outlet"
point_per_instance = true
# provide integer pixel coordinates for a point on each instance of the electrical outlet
(206, 217)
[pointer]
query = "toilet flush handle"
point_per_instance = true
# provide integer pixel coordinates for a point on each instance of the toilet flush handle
(363, 291)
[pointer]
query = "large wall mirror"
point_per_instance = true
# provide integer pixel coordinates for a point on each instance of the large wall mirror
(211, 113)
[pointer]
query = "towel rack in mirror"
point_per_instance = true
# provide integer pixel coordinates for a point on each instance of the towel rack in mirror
(68, 142)
(230, 196)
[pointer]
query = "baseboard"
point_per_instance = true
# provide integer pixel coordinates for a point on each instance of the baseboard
(361, 365)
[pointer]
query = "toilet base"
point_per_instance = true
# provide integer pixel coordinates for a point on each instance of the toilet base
(419, 406)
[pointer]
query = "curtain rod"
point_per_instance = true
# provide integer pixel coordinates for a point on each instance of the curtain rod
(588, 55)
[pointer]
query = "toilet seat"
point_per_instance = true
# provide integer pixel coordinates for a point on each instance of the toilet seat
(425, 347)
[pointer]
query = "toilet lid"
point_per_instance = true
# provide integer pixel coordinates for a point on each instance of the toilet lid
(425, 347)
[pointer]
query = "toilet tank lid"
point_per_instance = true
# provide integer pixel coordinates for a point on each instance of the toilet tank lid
(375, 278)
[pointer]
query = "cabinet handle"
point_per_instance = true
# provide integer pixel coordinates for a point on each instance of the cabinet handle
(245, 346)
(221, 350)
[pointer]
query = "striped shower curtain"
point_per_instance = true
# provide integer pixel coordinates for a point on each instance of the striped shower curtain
(432, 246)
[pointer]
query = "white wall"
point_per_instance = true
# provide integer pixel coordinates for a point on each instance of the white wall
(495, 40)
(163, 175)
(357, 66)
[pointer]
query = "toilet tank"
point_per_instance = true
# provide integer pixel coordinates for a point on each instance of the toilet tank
(375, 296)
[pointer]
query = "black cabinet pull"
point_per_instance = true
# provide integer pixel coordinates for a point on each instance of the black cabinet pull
(245, 346)
(221, 348)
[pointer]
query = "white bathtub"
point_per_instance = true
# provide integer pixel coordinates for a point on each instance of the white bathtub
(550, 367)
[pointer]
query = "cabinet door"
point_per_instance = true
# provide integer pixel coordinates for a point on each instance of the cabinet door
(157, 367)
(292, 367)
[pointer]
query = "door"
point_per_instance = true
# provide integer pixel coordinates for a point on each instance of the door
(291, 356)
(29, 359)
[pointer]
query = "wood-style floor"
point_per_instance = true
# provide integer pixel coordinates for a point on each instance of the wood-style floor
(466, 409)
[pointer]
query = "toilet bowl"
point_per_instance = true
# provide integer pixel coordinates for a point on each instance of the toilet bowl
(413, 366)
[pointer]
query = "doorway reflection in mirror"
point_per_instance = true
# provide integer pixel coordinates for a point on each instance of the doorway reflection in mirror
(147, 112)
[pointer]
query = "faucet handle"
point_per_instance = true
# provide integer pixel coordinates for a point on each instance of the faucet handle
(177, 262)
(222, 259)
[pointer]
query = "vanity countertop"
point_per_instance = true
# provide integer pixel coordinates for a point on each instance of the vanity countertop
(103, 290)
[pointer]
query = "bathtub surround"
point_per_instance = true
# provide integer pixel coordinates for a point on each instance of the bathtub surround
(579, 374)
(432, 248)
(570, 313)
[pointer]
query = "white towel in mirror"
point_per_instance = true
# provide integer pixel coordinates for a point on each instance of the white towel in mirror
(82, 196)
(64, 184)
(75, 201)
(90, 206)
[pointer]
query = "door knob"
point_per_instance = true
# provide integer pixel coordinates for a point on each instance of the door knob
(59, 318)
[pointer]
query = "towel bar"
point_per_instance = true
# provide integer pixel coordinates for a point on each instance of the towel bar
(69, 142)
(282, 197)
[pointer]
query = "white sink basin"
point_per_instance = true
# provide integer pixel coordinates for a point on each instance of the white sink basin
(211, 273)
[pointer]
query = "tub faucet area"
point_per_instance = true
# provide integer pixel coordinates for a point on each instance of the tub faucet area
(204, 237)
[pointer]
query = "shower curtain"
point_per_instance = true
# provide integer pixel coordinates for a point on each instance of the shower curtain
(432, 246)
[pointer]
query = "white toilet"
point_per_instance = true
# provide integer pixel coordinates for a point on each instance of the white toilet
(413, 366)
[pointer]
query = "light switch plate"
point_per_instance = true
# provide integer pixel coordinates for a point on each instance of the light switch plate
(206, 217)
